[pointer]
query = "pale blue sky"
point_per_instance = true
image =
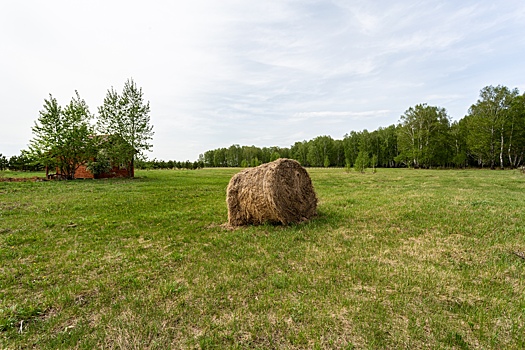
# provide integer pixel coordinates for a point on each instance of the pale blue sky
(260, 73)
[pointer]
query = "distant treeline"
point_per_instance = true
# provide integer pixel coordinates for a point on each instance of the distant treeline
(170, 164)
(492, 134)
(23, 162)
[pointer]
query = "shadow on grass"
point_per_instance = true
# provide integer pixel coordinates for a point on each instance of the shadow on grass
(324, 220)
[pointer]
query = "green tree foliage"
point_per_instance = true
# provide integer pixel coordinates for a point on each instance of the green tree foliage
(4, 162)
(351, 147)
(386, 149)
(299, 152)
(125, 119)
(515, 129)
(362, 162)
(490, 124)
(458, 139)
(233, 156)
(382, 143)
(422, 137)
(237, 156)
(326, 163)
(319, 149)
(63, 136)
(23, 162)
(338, 154)
(219, 158)
(101, 163)
(274, 156)
(170, 164)
(373, 163)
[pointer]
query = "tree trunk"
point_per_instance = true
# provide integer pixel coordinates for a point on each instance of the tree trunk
(492, 150)
(512, 163)
(131, 170)
(501, 151)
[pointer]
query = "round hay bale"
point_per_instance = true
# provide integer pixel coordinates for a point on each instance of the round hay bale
(276, 192)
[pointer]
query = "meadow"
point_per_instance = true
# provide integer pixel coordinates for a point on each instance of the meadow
(400, 259)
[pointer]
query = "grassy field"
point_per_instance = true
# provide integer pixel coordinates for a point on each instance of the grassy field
(400, 259)
(20, 174)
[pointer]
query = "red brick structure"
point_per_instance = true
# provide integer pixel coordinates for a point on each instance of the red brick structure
(83, 173)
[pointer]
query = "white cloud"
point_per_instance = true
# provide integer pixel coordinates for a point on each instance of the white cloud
(302, 116)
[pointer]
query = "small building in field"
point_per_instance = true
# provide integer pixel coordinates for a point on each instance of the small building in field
(115, 171)
(83, 172)
(99, 166)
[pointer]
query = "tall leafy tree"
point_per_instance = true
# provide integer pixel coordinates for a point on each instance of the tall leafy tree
(208, 157)
(234, 155)
(47, 132)
(125, 120)
(319, 150)
(365, 142)
(79, 136)
(351, 148)
(219, 157)
(63, 136)
(251, 154)
(299, 152)
(421, 136)
(458, 140)
(387, 149)
(516, 131)
(488, 124)
(339, 153)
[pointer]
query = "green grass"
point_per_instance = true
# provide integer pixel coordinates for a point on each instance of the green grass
(397, 259)
(20, 174)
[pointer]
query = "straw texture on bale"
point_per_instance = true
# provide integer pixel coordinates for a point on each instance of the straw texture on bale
(276, 192)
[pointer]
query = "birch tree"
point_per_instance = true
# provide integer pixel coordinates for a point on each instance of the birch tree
(488, 123)
(125, 120)
(63, 136)
(420, 136)
(516, 128)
